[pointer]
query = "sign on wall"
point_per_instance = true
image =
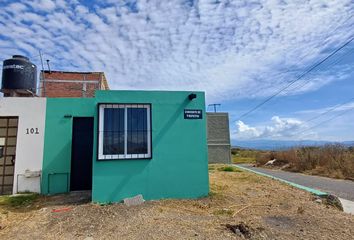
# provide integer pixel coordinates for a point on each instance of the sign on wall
(193, 114)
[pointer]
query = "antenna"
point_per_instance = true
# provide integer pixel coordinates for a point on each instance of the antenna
(48, 65)
(215, 105)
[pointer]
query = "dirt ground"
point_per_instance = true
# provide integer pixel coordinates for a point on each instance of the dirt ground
(254, 207)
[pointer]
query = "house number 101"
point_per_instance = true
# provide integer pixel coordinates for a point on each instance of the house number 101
(32, 131)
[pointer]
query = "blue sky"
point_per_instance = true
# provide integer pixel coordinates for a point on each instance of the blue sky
(239, 52)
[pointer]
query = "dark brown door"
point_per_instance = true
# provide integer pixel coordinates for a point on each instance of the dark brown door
(8, 138)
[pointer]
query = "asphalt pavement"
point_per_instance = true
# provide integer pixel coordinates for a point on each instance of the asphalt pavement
(341, 188)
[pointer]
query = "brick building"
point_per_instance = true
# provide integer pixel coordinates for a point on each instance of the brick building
(71, 84)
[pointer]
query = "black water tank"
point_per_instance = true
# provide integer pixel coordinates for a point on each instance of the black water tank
(19, 73)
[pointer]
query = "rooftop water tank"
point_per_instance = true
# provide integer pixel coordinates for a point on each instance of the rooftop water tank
(19, 76)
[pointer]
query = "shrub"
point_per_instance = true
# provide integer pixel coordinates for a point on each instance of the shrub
(263, 157)
(332, 160)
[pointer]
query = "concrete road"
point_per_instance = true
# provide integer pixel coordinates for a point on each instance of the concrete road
(341, 188)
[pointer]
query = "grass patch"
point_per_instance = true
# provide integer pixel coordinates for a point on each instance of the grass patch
(239, 159)
(211, 167)
(240, 155)
(212, 194)
(229, 169)
(18, 200)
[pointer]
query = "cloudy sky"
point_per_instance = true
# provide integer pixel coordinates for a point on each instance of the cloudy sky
(239, 52)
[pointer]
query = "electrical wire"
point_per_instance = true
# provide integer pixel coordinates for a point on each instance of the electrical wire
(303, 57)
(297, 79)
(338, 60)
(328, 111)
(296, 88)
(328, 120)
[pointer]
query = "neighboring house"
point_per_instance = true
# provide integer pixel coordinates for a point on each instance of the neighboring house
(22, 123)
(219, 147)
(71, 84)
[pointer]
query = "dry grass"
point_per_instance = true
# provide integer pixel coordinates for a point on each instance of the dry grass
(334, 160)
(270, 209)
(240, 155)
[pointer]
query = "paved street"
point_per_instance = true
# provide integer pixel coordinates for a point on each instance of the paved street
(341, 188)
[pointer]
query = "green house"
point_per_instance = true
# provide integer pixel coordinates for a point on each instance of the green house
(124, 143)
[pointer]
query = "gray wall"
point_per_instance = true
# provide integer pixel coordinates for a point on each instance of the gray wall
(218, 138)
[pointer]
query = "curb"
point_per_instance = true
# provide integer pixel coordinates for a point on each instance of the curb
(311, 190)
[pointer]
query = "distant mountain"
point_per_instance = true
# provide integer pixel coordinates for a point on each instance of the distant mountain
(281, 144)
(348, 143)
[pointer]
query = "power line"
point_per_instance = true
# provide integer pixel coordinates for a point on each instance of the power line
(303, 57)
(321, 114)
(328, 120)
(339, 59)
(328, 111)
(297, 79)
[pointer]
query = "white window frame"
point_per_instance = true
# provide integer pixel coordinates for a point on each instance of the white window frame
(102, 156)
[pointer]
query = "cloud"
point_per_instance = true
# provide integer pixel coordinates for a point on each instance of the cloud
(42, 5)
(279, 128)
(245, 131)
(282, 127)
(230, 49)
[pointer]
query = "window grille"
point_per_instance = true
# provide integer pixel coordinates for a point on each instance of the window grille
(124, 131)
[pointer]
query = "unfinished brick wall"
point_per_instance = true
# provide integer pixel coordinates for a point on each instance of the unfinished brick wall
(71, 84)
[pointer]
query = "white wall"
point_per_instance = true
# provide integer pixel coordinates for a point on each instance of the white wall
(29, 147)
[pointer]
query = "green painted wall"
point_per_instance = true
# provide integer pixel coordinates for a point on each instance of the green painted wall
(179, 164)
(57, 140)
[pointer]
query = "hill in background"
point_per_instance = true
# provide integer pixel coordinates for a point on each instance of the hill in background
(265, 144)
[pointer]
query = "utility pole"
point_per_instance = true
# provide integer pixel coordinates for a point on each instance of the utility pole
(215, 105)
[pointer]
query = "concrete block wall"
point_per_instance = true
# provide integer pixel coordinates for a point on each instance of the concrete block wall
(219, 146)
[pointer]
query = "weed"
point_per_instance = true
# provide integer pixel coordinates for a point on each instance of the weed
(105, 204)
(210, 167)
(332, 160)
(224, 211)
(229, 169)
(18, 200)
(212, 194)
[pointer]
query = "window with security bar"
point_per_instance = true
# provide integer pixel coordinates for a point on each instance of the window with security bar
(124, 131)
